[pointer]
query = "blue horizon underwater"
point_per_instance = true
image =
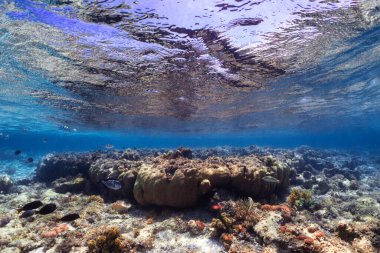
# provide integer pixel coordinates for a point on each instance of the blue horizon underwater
(180, 126)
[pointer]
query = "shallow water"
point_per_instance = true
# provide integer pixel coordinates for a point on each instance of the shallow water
(128, 81)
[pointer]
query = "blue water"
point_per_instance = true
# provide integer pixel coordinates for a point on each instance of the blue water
(165, 74)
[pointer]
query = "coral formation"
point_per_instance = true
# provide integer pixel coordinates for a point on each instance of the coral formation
(165, 184)
(299, 198)
(247, 175)
(106, 240)
(109, 168)
(54, 166)
(179, 182)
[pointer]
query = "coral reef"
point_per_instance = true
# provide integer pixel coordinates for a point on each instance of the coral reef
(239, 199)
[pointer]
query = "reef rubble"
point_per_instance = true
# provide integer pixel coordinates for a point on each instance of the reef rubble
(202, 200)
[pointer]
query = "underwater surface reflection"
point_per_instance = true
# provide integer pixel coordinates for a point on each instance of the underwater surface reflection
(182, 66)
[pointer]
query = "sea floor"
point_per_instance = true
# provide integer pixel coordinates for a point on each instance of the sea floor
(324, 201)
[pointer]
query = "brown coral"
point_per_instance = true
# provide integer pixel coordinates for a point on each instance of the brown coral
(174, 183)
(108, 240)
(180, 182)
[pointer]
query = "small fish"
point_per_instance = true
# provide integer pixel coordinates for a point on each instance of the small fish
(17, 152)
(30, 160)
(216, 207)
(45, 140)
(109, 146)
(270, 179)
(48, 208)
(112, 184)
(27, 213)
(70, 217)
(30, 206)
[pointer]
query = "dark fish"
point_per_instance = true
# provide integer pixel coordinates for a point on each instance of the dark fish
(27, 213)
(17, 152)
(270, 179)
(112, 184)
(32, 205)
(48, 208)
(30, 160)
(70, 217)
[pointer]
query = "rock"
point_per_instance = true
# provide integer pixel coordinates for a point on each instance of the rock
(307, 174)
(299, 180)
(76, 184)
(131, 155)
(308, 184)
(354, 185)
(4, 220)
(323, 187)
(54, 166)
(181, 152)
(347, 173)
(5, 183)
(309, 168)
(11, 250)
(363, 245)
